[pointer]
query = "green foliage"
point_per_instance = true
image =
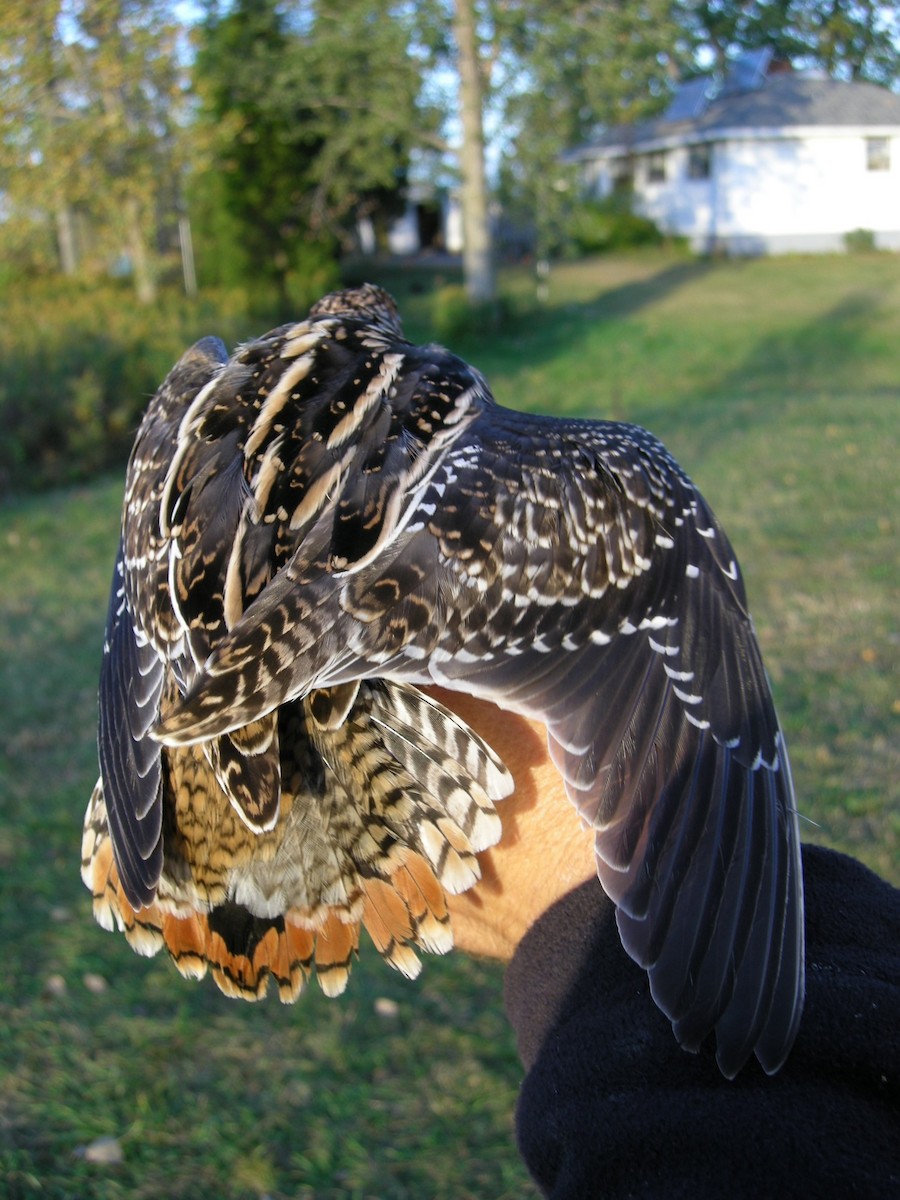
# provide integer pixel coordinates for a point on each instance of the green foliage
(598, 226)
(78, 365)
(90, 109)
(453, 316)
(577, 67)
(859, 241)
(312, 272)
(221, 256)
(854, 39)
(27, 250)
(301, 144)
(453, 320)
(261, 141)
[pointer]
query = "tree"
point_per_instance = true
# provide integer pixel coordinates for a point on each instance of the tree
(258, 142)
(546, 74)
(584, 64)
(478, 264)
(34, 163)
(360, 85)
(853, 39)
(88, 109)
(313, 112)
(127, 78)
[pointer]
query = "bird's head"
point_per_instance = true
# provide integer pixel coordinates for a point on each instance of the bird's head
(367, 303)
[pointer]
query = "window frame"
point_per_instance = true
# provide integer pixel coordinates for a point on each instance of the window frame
(878, 154)
(700, 153)
(657, 166)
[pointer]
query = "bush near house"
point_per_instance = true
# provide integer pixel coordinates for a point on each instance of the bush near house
(600, 226)
(860, 241)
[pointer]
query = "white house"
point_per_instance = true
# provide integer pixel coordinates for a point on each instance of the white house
(770, 161)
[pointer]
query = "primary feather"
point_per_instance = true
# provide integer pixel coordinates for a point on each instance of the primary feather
(334, 516)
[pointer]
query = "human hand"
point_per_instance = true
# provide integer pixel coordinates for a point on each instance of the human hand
(545, 850)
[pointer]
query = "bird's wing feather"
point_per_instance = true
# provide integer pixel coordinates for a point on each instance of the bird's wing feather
(660, 719)
(131, 680)
(142, 635)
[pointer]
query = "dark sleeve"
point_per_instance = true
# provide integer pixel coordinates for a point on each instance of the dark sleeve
(612, 1107)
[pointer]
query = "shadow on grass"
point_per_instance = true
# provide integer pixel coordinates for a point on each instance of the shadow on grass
(629, 298)
(556, 332)
(824, 356)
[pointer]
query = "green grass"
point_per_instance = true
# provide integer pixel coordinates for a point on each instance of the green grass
(775, 383)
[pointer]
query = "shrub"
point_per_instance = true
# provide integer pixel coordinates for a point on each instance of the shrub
(313, 272)
(596, 226)
(451, 314)
(78, 366)
(859, 241)
(453, 317)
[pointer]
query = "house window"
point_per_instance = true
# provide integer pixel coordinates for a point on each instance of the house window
(878, 154)
(656, 167)
(699, 162)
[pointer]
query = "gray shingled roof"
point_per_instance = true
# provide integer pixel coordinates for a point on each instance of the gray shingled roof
(783, 101)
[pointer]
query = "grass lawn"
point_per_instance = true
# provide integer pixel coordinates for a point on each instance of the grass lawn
(776, 385)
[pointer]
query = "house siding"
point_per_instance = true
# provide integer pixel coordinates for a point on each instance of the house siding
(773, 194)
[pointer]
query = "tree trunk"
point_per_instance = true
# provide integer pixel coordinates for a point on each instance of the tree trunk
(65, 240)
(478, 266)
(188, 268)
(139, 253)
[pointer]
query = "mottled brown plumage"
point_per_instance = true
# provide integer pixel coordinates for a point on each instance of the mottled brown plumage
(333, 517)
(358, 839)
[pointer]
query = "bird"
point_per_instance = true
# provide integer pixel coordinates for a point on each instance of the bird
(328, 522)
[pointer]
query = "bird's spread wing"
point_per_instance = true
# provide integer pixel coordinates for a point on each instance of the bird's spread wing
(142, 635)
(635, 647)
(384, 518)
(131, 680)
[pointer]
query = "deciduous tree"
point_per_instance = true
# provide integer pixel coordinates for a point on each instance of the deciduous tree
(478, 254)
(852, 39)
(89, 104)
(584, 64)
